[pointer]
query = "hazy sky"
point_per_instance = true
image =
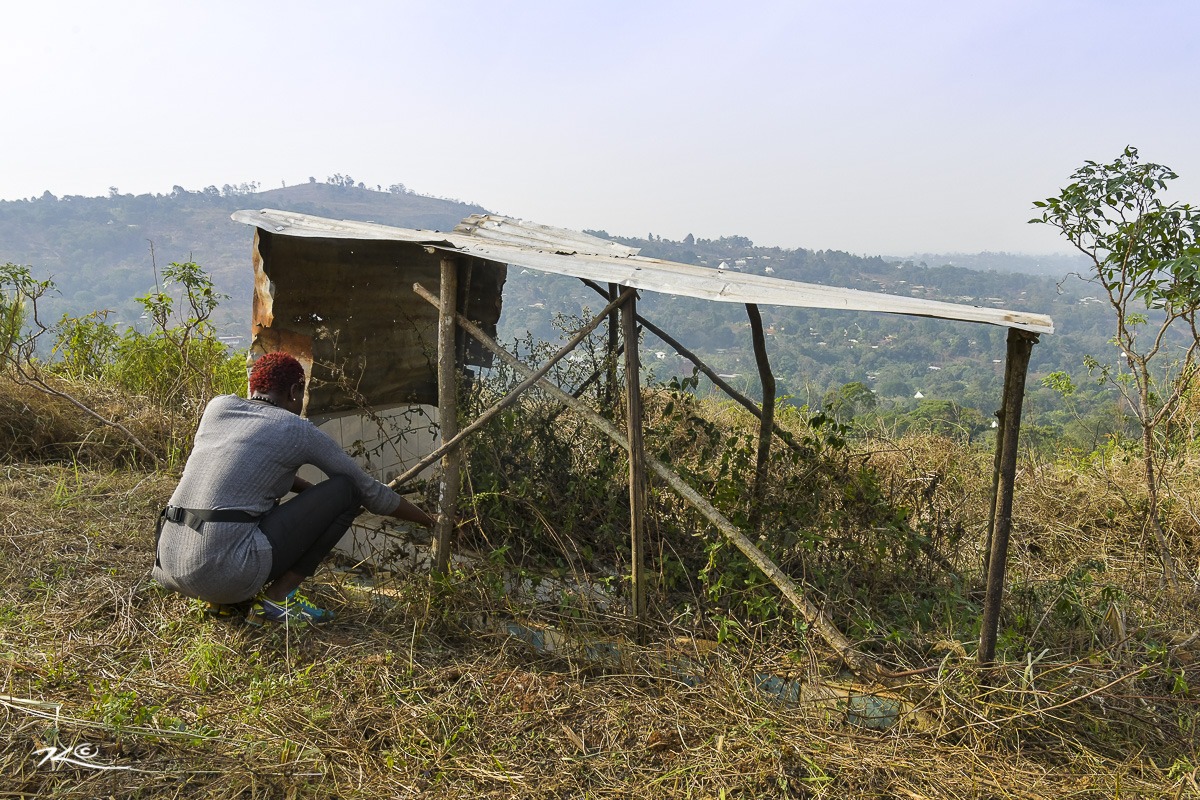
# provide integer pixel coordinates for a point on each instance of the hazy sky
(872, 127)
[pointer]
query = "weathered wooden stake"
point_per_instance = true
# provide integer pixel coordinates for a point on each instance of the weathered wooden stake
(1020, 347)
(447, 414)
(996, 460)
(611, 354)
(767, 419)
(637, 461)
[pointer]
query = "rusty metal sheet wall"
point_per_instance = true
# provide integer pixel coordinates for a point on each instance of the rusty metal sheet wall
(346, 308)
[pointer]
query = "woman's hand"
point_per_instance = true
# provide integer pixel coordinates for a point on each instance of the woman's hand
(411, 513)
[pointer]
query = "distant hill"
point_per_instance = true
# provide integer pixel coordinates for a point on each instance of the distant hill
(97, 249)
(1053, 265)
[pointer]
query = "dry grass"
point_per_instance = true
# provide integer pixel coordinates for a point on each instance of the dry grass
(403, 696)
(404, 699)
(35, 426)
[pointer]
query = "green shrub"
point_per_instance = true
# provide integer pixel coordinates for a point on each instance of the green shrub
(174, 367)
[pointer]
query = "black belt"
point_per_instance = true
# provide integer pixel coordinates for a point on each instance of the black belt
(195, 517)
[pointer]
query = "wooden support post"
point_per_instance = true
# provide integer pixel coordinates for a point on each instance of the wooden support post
(996, 459)
(767, 419)
(1020, 347)
(637, 461)
(464, 301)
(611, 353)
(862, 664)
(448, 367)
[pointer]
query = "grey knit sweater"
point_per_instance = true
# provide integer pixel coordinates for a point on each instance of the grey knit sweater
(245, 457)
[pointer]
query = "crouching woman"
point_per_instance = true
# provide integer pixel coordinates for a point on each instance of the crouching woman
(226, 538)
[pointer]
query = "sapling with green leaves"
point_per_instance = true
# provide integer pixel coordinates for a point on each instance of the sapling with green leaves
(1143, 252)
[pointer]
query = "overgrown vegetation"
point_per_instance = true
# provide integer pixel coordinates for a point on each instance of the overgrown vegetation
(171, 366)
(407, 696)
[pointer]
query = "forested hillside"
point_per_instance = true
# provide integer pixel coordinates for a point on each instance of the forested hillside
(98, 249)
(101, 253)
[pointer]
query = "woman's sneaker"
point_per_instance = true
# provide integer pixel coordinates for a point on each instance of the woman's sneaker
(295, 609)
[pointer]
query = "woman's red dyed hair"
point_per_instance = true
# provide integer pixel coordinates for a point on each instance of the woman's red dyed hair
(275, 372)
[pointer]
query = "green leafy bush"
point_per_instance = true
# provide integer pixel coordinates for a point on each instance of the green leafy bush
(177, 362)
(174, 366)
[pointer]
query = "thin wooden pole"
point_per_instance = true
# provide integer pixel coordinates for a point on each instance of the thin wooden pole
(1020, 347)
(598, 374)
(509, 398)
(861, 663)
(767, 419)
(637, 462)
(717, 380)
(996, 461)
(448, 367)
(595, 376)
(611, 354)
(464, 303)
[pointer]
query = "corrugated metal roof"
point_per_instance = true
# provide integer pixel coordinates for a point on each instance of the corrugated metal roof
(503, 230)
(565, 252)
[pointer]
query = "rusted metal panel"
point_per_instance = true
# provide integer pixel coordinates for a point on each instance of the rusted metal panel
(507, 241)
(346, 308)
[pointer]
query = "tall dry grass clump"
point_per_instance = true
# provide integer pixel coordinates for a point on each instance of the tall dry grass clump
(38, 427)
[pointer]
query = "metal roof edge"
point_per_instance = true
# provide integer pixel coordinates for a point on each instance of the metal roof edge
(557, 251)
(534, 234)
(291, 223)
(669, 277)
